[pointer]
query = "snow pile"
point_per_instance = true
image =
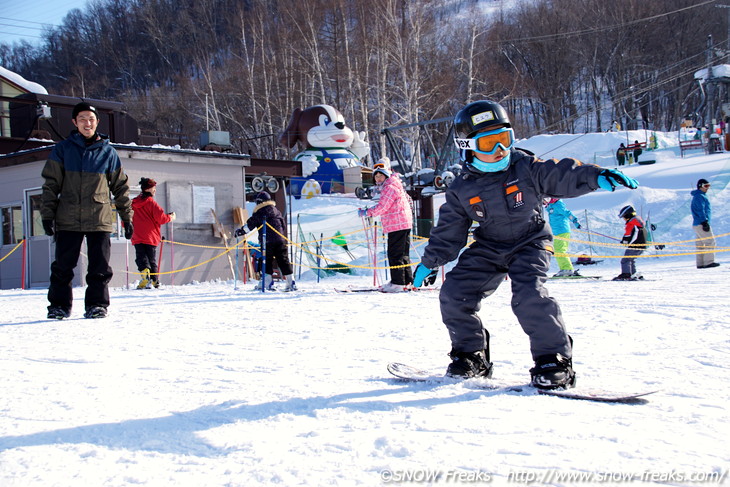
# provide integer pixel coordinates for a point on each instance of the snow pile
(214, 384)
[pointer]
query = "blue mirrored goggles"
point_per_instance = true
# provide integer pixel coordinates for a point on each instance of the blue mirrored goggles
(488, 142)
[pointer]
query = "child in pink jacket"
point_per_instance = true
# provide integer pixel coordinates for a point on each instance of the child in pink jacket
(394, 210)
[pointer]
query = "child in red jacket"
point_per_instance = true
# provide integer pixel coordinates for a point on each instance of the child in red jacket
(147, 219)
(635, 239)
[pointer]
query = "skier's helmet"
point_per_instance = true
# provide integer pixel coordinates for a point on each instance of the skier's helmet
(627, 212)
(477, 116)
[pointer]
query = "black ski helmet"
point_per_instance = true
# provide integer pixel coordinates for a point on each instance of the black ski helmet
(627, 212)
(477, 116)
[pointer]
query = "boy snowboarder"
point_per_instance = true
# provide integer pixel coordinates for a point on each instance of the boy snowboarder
(502, 189)
(635, 239)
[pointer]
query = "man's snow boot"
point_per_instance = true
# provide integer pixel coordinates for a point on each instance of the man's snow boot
(564, 273)
(553, 372)
(57, 313)
(95, 312)
(624, 276)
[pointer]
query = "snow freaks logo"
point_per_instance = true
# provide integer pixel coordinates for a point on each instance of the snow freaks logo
(435, 476)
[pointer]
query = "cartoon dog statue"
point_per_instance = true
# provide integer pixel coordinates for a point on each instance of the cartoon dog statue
(329, 146)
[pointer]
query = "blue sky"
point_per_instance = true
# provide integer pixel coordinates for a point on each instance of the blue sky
(25, 19)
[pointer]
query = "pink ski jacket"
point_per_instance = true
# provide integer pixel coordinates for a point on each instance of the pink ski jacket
(394, 207)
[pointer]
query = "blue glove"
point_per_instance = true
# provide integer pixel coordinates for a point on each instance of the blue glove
(608, 179)
(576, 223)
(424, 276)
(362, 212)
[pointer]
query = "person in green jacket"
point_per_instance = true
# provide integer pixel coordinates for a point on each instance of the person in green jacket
(81, 174)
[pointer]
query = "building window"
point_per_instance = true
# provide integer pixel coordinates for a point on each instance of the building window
(36, 225)
(12, 221)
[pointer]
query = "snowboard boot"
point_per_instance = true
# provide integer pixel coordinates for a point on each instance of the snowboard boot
(145, 281)
(471, 364)
(564, 273)
(553, 372)
(95, 312)
(57, 313)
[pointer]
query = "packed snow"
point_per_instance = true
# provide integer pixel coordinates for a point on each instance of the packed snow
(215, 384)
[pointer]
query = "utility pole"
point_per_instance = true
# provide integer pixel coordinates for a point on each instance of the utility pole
(727, 43)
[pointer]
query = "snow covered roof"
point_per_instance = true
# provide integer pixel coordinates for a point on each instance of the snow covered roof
(21, 82)
(719, 71)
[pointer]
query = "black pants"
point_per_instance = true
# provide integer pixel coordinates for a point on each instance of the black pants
(478, 274)
(98, 275)
(399, 250)
(278, 251)
(146, 258)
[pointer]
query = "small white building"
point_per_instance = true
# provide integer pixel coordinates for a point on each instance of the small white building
(192, 183)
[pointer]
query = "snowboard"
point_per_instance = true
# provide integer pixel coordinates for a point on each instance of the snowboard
(412, 374)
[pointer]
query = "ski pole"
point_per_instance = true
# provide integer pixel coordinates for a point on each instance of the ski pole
(263, 259)
(235, 274)
(319, 256)
(126, 258)
(159, 264)
(172, 254)
(606, 236)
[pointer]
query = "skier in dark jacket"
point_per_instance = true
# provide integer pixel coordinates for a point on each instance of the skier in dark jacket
(635, 240)
(276, 244)
(502, 190)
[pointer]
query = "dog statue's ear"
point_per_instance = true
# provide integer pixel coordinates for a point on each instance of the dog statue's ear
(290, 136)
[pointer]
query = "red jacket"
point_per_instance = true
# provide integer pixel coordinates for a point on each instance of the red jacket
(148, 216)
(634, 233)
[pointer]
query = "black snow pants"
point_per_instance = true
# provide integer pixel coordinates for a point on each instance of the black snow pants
(477, 275)
(98, 275)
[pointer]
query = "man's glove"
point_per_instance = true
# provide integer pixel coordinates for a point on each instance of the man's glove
(48, 227)
(172, 216)
(608, 179)
(240, 232)
(705, 226)
(424, 276)
(362, 212)
(128, 230)
(576, 223)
